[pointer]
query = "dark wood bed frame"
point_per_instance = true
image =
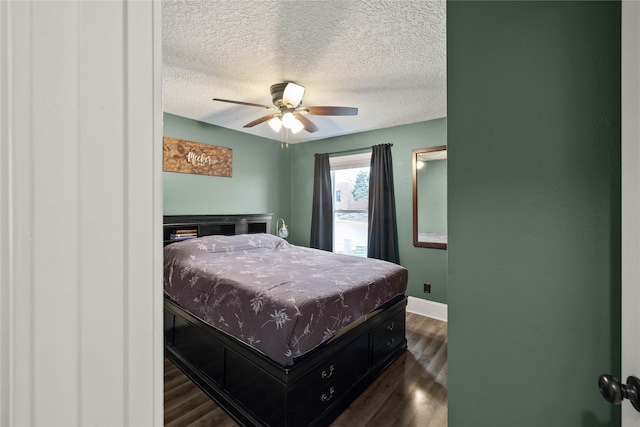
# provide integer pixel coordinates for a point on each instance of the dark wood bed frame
(252, 388)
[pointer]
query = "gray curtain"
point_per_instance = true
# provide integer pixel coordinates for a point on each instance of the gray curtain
(322, 210)
(383, 227)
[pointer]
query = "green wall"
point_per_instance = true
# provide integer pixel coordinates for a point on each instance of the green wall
(261, 180)
(534, 212)
(424, 264)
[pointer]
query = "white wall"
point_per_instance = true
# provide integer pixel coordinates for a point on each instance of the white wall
(80, 205)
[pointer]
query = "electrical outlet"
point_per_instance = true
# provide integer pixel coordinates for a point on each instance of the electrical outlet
(427, 288)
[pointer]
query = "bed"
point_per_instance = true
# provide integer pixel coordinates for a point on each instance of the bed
(277, 334)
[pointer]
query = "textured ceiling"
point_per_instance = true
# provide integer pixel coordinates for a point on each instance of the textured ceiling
(387, 58)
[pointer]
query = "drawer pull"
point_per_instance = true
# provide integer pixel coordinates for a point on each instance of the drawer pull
(390, 326)
(324, 397)
(391, 342)
(324, 373)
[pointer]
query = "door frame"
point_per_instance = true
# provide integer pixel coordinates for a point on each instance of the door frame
(630, 127)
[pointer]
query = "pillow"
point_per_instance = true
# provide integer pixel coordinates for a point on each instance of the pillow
(238, 242)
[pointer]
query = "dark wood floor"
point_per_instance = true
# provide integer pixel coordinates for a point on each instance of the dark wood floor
(411, 392)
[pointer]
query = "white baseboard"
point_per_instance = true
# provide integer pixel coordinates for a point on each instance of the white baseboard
(427, 308)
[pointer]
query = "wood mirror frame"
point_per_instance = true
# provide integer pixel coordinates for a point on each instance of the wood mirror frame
(417, 241)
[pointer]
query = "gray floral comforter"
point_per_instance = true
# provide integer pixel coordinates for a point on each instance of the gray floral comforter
(284, 300)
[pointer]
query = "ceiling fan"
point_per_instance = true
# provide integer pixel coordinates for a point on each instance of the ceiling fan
(289, 112)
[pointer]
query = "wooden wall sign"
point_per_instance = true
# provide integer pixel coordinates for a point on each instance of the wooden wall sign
(196, 158)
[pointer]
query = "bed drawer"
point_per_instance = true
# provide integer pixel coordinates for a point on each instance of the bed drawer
(387, 337)
(346, 367)
(320, 401)
(197, 346)
(253, 387)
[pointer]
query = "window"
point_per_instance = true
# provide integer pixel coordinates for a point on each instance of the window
(350, 181)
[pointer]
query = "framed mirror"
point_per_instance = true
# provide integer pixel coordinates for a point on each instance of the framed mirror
(430, 197)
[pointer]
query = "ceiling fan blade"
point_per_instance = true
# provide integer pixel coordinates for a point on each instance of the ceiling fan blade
(309, 126)
(260, 120)
(251, 104)
(332, 111)
(292, 94)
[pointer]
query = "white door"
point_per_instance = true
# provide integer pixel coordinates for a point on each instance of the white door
(630, 201)
(80, 184)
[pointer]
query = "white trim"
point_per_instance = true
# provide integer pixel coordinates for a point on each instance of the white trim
(423, 307)
(350, 161)
(630, 83)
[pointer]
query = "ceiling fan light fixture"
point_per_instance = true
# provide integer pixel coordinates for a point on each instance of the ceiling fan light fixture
(297, 126)
(276, 124)
(288, 119)
(292, 95)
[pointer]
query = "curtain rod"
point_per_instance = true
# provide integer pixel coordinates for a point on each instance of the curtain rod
(353, 150)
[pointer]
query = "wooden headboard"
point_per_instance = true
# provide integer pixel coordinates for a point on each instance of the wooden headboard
(206, 225)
